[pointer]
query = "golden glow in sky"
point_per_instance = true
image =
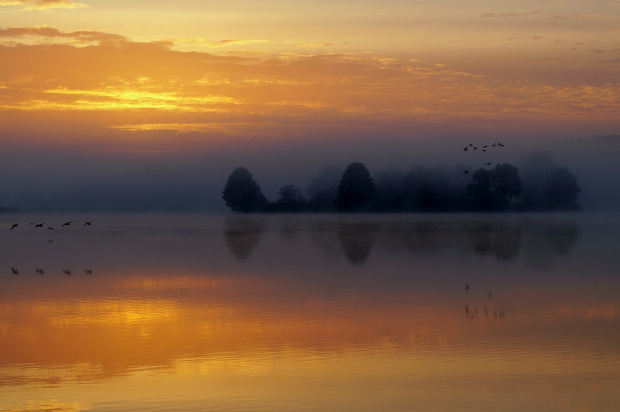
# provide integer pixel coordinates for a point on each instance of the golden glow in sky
(276, 69)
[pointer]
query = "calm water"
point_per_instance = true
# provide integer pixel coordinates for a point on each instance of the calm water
(312, 313)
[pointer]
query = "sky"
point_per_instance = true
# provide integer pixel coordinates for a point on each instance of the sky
(98, 87)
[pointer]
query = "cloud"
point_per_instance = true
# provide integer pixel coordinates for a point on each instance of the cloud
(313, 45)
(513, 15)
(43, 4)
(215, 43)
(118, 87)
(51, 34)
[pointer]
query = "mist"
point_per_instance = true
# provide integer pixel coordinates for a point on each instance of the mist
(54, 180)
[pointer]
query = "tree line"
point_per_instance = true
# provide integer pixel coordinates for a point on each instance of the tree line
(420, 189)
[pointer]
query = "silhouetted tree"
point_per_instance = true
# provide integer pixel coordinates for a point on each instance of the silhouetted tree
(389, 193)
(536, 168)
(242, 193)
(505, 184)
(561, 190)
(479, 190)
(428, 198)
(322, 189)
(291, 199)
(493, 190)
(356, 189)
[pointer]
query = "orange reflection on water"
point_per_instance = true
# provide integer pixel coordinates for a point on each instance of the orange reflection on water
(225, 337)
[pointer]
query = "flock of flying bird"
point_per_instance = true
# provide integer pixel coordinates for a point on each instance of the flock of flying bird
(38, 225)
(40, 271)
(473, 148)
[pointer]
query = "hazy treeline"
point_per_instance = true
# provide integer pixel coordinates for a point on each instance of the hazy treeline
(540, 185)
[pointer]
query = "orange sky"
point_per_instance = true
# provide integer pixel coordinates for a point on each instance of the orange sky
(195, 74)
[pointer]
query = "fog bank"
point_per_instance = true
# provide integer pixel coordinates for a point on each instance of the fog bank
(60, 181)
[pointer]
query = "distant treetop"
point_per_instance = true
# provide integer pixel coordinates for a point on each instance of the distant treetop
(242, 193)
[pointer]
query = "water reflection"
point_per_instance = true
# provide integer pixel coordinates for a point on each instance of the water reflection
(562, 237)
(435, 313)
(242, 234)
(502, 240)
(356, 240)
(499, 238)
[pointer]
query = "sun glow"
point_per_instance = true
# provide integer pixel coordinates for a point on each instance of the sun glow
(124, 99)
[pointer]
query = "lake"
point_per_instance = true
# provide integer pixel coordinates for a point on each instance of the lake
(310, 313)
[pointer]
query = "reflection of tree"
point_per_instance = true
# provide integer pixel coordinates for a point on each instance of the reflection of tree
(480, 238)
(289, 228)
(551, 241)
(422, 238)
(356, 240)
(242, 235)
(507, 242)
(501, 239)
(562, 237)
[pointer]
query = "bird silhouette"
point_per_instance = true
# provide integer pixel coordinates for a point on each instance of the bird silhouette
(488, 163)
(66, 224)
(66, 271)
(39, 225)
(88, 272)
(465, 149)
(14, 226)
(40, 271)
(466, 287)
(88, 223)
(15, 271)
(466, 172)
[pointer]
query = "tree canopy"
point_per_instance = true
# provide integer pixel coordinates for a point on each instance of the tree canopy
(356, 189)
(420, 189)
(561, 190)
(242, 193)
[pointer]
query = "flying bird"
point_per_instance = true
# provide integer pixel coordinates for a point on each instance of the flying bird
(465, 149)
(466, 172)
(39, 225)
(88, 223)
(488, 163)
(14, 226)
(15, 271)
(66, 224)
